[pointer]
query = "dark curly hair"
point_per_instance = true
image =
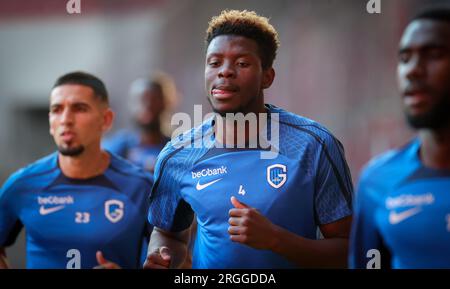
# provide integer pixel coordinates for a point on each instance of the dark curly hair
(250, 25)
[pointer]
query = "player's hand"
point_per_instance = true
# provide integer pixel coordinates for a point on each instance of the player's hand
(158, 259)
(249, 227)
(103, 263)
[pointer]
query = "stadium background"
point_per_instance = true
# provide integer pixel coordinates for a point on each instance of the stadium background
(336, 64)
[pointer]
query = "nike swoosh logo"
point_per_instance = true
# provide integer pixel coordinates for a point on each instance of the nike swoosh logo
(395, 218)
(200, 187)
(43, 211)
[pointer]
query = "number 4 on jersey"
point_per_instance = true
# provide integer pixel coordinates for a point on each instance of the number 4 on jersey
(241, 190)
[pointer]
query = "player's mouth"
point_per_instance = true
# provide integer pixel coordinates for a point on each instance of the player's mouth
(416, 97)
(67, 136)
(224, 92)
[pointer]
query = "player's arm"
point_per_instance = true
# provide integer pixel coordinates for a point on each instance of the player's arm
(330, 252)
(188, 261)
(167, 249)
(365, 238)
(10, 225)
(248, 226)
(3, 260)
(168, 213)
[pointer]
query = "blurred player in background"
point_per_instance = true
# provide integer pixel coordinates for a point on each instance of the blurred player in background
(81, 206)
(251, 212)
(403, 200)
(151, 101)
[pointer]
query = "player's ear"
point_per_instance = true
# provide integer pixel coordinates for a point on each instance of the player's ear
(108, 118)
(268, 77)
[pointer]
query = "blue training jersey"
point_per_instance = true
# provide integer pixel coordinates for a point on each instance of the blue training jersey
(403, 211)
(306, 185)
(68, 218)
(126, 143)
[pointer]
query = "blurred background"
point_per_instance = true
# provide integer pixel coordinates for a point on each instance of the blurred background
(336, 65)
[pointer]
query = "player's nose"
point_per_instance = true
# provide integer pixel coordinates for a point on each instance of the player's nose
(227, 70)
(66, 117)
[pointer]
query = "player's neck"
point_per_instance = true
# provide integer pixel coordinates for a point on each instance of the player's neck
(227, 131)
(87, 165)
(435, 148)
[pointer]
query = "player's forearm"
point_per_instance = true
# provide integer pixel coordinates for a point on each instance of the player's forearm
(308, 253)
(176, 242)
(3, 261)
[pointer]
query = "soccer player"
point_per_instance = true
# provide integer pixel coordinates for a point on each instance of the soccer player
(151, 100)
(81, 206)
(252, 211)
(403, 203)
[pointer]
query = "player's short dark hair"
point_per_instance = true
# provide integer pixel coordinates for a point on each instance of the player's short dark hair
(436, 13)
(83, 78)
(250, 25)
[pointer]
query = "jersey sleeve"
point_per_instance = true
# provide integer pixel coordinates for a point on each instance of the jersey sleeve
(10, 225)
(168, 210)
(334, 188)
(365, 235)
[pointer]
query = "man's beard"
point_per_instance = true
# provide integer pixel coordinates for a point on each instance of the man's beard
(71, 152)
(437, 117)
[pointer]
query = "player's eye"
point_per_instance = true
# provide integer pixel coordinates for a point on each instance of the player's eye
(243, 64)
(213, 63)
(55, 109)
(80, 108)
(404, 56)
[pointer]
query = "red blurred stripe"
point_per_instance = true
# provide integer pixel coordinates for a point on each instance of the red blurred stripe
(32, 8)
